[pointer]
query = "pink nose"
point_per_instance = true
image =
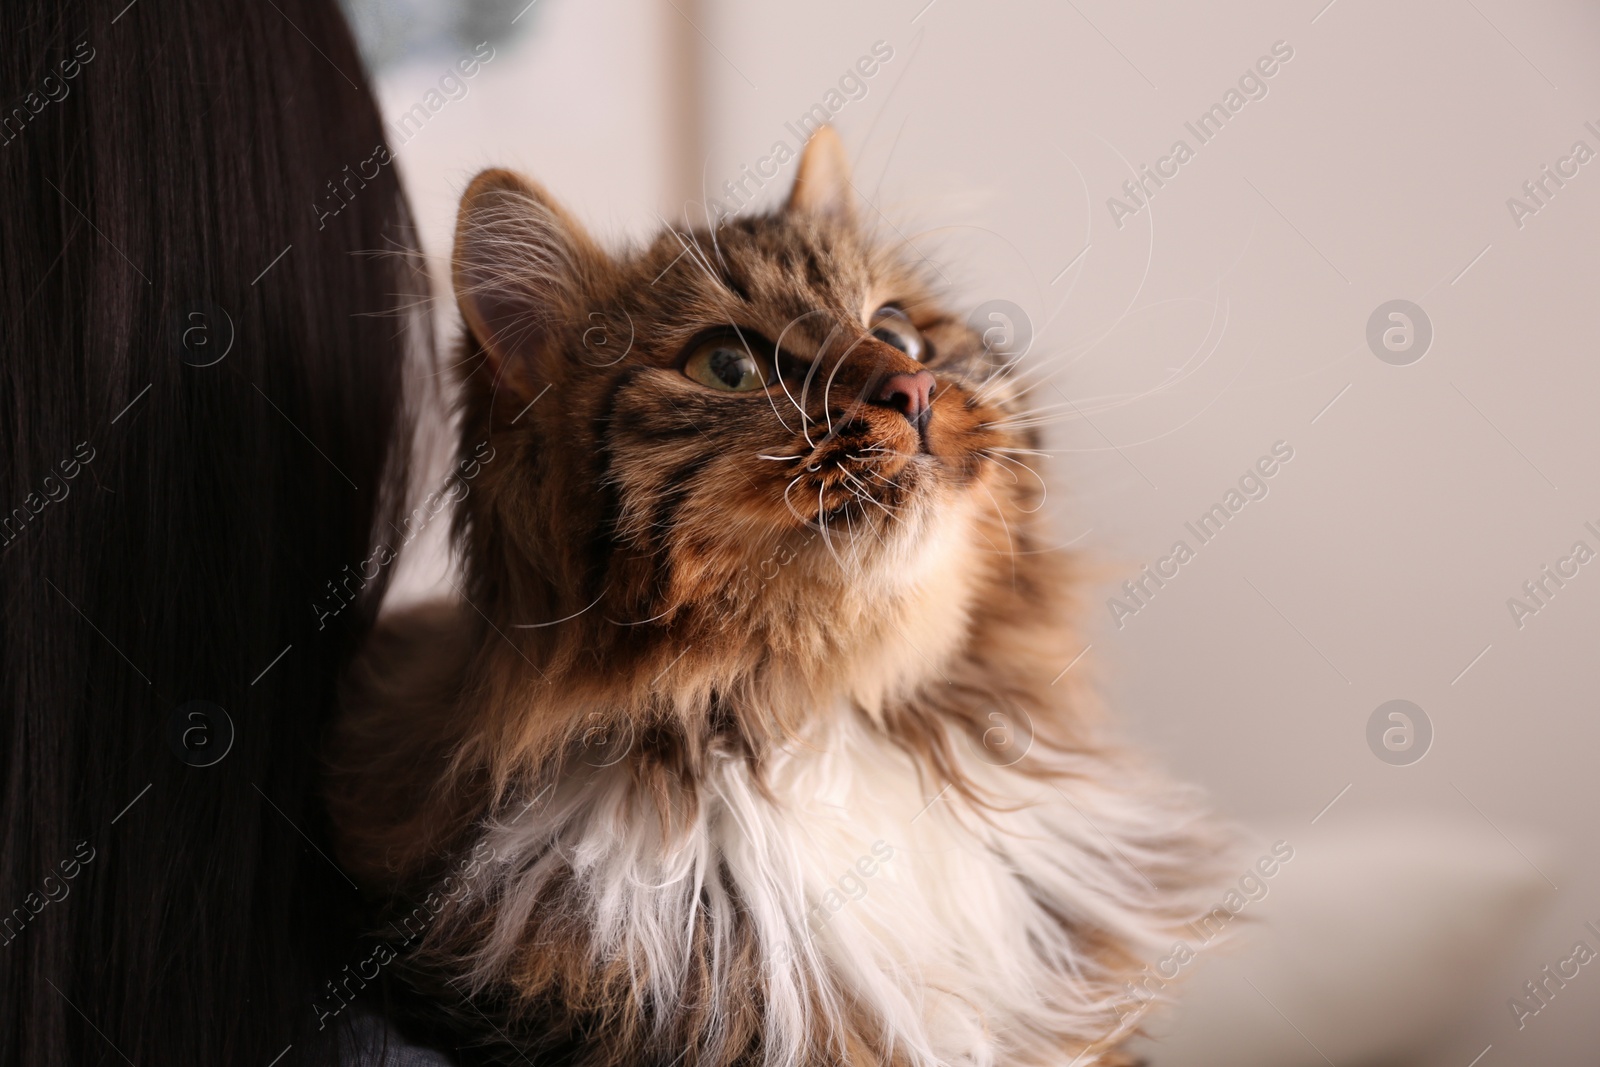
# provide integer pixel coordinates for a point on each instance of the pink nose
(909, 394)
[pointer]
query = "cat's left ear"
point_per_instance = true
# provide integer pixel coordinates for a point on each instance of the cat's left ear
(520, 267)
(823, 185)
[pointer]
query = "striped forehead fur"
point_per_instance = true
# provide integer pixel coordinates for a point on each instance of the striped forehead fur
(711, 650)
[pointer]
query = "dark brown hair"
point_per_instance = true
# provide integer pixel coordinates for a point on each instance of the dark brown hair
(169, 526)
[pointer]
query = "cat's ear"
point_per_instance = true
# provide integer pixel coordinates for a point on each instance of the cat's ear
(520, 267)
(823, 185)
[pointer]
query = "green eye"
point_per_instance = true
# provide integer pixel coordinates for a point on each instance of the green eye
(725, 363)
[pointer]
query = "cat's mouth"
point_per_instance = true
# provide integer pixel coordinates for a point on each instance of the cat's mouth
(869, 464)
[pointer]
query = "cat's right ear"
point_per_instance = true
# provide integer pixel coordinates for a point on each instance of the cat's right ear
(519, 268)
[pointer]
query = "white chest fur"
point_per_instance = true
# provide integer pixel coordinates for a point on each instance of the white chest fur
(956, 930)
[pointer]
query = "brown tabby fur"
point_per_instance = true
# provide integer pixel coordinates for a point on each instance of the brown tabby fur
(610, 605)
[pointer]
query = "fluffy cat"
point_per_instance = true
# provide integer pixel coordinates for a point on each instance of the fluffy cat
(746, 741)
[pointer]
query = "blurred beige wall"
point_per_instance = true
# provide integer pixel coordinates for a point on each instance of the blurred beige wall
(588, 100)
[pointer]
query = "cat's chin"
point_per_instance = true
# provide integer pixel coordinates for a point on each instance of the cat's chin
(910, 552)
(904, 480)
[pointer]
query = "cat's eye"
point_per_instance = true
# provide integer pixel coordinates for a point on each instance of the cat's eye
(728, 364)
(893, 327)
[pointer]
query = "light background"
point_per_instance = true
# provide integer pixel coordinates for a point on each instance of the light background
(1227, 315)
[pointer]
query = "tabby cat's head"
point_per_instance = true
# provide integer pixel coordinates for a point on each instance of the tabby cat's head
(767, 424)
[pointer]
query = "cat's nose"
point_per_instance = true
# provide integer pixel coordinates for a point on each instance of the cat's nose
(909, 394)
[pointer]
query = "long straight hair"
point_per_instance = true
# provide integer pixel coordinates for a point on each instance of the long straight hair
(204, 425)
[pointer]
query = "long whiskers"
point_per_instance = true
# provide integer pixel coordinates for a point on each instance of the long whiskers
(799, 406)
(811, 372)
(827, 389)
(865, 494)
(1044, 488)
(1011, 542)
(822, 524)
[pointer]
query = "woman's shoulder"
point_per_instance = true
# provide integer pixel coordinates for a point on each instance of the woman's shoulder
(374, 1042)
